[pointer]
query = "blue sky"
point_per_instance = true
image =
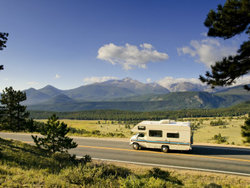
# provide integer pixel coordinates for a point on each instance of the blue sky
(71, 43)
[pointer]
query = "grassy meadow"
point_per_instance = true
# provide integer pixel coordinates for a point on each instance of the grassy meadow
(23, 165)
(102, 128)
(204, 132)
(230, 129)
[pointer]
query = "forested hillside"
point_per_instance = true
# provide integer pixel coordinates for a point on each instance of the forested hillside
(236, 110)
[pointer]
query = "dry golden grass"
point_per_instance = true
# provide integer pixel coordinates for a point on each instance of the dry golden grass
(232, 129)
(204, 134)
(103, 126)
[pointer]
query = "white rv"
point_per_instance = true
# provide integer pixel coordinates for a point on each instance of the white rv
(165, 135)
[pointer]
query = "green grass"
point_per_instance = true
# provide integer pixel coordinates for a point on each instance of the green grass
(23, 165)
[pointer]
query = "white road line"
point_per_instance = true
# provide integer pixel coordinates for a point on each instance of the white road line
(172, 166)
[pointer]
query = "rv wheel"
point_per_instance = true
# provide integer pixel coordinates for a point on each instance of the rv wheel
(164, 149)
(136, 146)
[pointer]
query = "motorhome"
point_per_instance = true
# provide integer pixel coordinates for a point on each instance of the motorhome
(165, 135)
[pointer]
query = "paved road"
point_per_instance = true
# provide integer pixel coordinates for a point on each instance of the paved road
(205, 158)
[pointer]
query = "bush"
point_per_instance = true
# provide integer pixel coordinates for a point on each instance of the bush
(92, 174)
(127, 126)
(213, 185)
(121, 135)
(155, 182)
(219, 139)
(96, 132)
(217, 123)
(114, 172)
(34, 126)
(85, 159)
(78, 131)
(131, 181)
(158, 173)
(245, 131)
(195, 126)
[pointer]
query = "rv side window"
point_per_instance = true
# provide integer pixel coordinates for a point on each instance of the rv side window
(141, 127)
(173, 135)
(155, 133)
(141, 135)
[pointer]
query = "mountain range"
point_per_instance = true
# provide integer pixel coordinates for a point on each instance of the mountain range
(104, 91)
(129, 94)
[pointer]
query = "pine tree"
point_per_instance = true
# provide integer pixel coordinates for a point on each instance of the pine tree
(54, 136)
(245, 131)
(231, 19)
(13, 115)
(3, 40)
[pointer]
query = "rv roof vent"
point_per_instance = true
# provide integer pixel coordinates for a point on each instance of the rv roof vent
(165, 121)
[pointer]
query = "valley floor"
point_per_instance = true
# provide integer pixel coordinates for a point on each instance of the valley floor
(204, 132)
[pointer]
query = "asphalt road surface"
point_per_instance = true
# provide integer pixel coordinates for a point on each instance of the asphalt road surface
(229, 160)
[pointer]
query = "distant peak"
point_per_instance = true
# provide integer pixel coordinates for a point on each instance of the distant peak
(127, 79)
(30, 89)
(49, 86)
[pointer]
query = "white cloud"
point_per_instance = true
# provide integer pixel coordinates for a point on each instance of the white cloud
(168, 81)
(146, 46)
(243, 80)
(204, 34)
(32, 83)
(57, 76)
(149, 80)
(91, 80)
(130, 56)
(207, 51)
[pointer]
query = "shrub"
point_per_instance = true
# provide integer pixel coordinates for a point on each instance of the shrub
(217, 123)
(110, 134)
(127, 126)
(195, 126)
(78, 131)
(245, 131)
(158, 173)
(219, 139)
(92, 174)
(96, 132)
(113, 171)
(65, 159)
(155, 182)
(85, 159)
(121, 135)
(33, 126)
(213, 185)
(131, 181)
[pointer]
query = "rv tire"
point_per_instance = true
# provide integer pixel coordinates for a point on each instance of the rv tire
(165, 149)
(136, 146)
